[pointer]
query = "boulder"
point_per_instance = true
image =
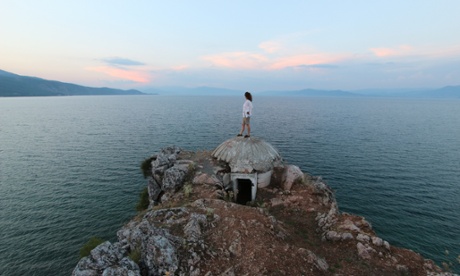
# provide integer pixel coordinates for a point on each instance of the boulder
(291, 174)
(174, 178)
(154, 189)
(108, 258)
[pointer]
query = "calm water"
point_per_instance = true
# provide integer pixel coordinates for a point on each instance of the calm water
(69, 166)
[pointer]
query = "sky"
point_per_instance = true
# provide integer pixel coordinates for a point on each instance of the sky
(248, 45)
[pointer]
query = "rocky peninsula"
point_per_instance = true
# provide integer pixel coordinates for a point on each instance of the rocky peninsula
(241, 210)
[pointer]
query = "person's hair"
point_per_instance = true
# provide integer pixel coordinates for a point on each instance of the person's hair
(248, 96)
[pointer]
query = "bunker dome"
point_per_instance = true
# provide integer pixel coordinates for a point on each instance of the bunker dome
(251, 161)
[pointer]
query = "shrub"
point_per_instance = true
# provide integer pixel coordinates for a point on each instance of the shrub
(90, 245)
(209, 213)
(146, 166)
(188, 189)
(135, 254)
(143, 203)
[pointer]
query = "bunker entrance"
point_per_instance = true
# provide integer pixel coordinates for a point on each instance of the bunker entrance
(245, 188)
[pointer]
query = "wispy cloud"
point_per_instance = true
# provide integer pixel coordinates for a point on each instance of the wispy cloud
(270, 46)
(180, 67)
(396, 51)
(132, 75)
(305, 60)
(256, 61)
(124, 69)
(238, 60)
(121, 61)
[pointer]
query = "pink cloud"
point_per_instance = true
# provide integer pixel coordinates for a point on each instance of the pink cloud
(245, 60)
(239, 60)
(398, 51)
(180, 67)
(306, 59)
(132, 75)
(270, 46)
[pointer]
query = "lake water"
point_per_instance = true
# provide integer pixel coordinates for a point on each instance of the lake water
(69, 166)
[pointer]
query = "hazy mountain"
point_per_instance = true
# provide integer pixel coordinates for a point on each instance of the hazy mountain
(311, 93)
(445, 92)
(16, 85)
(12, 85)
(194, 91)
(392, 92)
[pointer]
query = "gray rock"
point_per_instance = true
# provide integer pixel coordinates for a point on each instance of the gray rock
(333, 236)
(161, 161)
(78, 271)
(377, 241)
(174, 178)
(119, 271)
(318, 262)
(158, 246)
(192, 229)
(403, 269)
(291, 174)
(165, 158)
(364, 251)
(276, 201)
(347, 236)
(229, 272)
(363, 238)
(349, 225)
(160, 255)
(109, 258)
(154, 190)
(386, 245)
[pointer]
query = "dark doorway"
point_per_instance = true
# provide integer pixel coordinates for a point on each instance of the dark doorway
(244, 191)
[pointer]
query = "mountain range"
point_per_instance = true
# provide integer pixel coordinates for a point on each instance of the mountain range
(445, 92)
(13, 85)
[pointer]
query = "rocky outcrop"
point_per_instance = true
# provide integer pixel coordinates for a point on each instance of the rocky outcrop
(167, 173)
(294, 227)
(107, 259)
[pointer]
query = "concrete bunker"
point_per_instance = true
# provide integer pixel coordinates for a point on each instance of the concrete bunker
(251, 162)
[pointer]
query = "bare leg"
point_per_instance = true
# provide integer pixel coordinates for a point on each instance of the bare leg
(242, 129)
(249, 130)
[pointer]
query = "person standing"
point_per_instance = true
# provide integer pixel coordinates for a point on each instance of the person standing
(247, 113)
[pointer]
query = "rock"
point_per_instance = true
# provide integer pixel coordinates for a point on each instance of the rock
(109, 258)
(364, 251)
(154, 190)
(192, 229)
(318, 262)
(159, 247)
(403, 269)
(276, 201)
(386, 245)
(235, 247)
(377, 241)
(323, 191)
(349, 225)
(295, 199)
(206, 236)
(206, 180)
(229, 272)
(291, 174)
(333, 236)
(119, 271)
(363, 238)
(347, 236)
(174, 178)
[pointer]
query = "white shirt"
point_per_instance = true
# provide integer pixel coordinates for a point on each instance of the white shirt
(247, 107)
